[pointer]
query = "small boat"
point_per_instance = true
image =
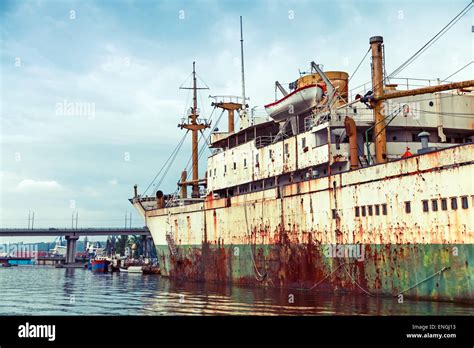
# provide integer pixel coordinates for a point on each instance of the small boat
(295, 103)
(149, 269)
(132, 269)
(100, 265)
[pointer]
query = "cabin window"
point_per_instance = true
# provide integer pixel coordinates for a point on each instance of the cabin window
(235, 165)
(245, 163)
(225, 169)
(384, 209)
(357, 211)
(334, 214)
(363, 211)
(444, 204)
(434, 204)
(464, 202)
(256, 158)
(286, 150)
(303, 142)
(407, 207)
(454, 203)
(377, 209)
(270, 153)
(425, 206)
(214, 171)
(371, 212)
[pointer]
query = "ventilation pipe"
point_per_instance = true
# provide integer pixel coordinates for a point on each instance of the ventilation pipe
(351, 132)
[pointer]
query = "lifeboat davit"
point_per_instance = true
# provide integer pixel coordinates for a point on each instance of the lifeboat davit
(295, 103)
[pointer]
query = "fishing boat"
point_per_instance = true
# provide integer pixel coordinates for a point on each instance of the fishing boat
(100, 265)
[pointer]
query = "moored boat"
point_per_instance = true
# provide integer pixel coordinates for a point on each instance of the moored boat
(336, 203)
(100, 265)
(132, 269)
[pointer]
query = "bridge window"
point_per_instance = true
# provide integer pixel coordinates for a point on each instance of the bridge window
(370, 210)
(425, 206)
(434, 204)
(407, 207)
(363, 211)
(464, 202)
(377, 209)
(270, 153)
(256, 158)
(454, 203)
(287, 152)
(357, 211)
(384, 209)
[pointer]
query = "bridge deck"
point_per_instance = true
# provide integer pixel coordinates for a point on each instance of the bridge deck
(39, 232)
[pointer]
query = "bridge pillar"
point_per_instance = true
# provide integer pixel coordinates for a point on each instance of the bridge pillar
(71, 249)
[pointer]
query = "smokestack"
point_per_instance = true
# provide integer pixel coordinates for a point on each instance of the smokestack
(376, 44)
(135, 190)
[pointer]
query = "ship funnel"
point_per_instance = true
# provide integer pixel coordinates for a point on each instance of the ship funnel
(424, 136)
(135, 190)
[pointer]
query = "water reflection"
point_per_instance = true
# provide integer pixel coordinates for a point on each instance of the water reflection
(50, 291)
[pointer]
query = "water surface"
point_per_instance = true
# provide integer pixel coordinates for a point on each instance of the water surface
(45, 290)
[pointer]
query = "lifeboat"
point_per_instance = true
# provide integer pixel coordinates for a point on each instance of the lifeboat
(295, 103)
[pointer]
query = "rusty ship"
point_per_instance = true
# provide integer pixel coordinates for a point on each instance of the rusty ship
(369, 194)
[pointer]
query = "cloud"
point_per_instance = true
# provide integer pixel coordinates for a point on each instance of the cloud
(30, 185)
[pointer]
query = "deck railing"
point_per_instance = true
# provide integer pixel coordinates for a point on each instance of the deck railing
(403, 83)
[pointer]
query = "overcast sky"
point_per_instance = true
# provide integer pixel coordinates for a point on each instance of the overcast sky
(125, 60)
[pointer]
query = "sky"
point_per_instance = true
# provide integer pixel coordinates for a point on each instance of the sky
(89, 90)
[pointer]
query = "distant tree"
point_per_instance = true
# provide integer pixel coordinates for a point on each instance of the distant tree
(121, 244)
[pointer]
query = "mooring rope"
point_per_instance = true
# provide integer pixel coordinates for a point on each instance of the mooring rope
(260, 277)
(322, 280)
(424, 280)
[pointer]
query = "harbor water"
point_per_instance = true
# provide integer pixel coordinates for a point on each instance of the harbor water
(43, 290)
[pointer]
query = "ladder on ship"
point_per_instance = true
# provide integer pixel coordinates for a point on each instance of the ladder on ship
(171, 243)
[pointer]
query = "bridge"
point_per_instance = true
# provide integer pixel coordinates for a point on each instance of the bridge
(72, 235)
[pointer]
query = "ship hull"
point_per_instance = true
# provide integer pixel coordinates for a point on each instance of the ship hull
(290, 236)
(100, 266)
(424, 272)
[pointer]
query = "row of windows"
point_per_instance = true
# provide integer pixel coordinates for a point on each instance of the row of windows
(375, 209)
(371, 210)
(453, 202)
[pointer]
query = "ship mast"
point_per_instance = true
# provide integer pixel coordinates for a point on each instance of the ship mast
(244, 122)
(194, 124)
